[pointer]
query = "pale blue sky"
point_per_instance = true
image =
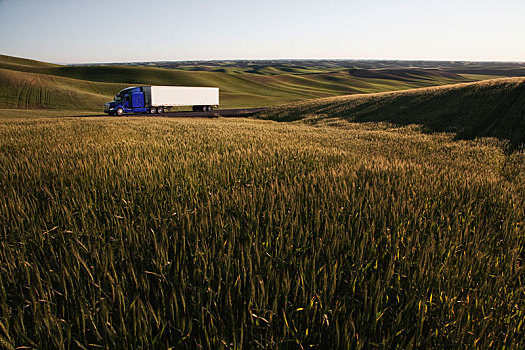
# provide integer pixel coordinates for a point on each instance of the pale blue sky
(70, 31)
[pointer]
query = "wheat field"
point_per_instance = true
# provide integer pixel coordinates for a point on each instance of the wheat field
(245, 233)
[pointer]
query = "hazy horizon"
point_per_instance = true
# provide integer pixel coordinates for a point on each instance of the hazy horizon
(120, 31)
(265, 59)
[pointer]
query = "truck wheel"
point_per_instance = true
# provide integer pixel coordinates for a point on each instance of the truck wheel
(160, 110)
(153, 110)
(120, 111)
(210, 108)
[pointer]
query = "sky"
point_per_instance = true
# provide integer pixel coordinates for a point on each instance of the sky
(95, 31)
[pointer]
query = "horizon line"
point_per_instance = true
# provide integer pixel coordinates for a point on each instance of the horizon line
(272, 59)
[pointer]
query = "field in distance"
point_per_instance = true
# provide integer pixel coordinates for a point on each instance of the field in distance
(29, 84)
(323, 227)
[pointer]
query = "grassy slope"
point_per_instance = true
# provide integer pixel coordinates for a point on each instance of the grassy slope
(239, 87)
(30, 90)
(494, 108)
(17, 61)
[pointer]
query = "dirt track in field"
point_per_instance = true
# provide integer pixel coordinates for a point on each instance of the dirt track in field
(244, 112)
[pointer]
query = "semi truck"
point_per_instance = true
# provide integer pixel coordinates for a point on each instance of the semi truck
(157, 99)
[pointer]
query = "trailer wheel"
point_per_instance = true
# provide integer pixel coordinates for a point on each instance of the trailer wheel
(120, 111)
(160, 110)
(153, 110)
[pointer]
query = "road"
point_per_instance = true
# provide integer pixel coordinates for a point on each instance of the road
(244, 112)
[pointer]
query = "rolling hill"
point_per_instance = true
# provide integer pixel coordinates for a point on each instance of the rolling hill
(35, 91)
(17, 61)
(32, 84)
(493, 108)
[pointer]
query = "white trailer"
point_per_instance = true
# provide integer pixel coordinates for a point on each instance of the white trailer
(201, 98)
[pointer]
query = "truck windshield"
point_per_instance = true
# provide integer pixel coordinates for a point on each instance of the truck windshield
(118, 98)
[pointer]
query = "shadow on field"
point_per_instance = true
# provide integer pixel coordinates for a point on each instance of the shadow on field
(493, 108)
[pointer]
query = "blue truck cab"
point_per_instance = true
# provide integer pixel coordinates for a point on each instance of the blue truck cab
(131, 100)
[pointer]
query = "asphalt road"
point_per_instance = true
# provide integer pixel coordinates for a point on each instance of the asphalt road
(244, 112)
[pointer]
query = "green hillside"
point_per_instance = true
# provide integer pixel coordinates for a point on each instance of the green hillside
(494, 108)
(32, 84)
(36, 91)
(17, 61)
